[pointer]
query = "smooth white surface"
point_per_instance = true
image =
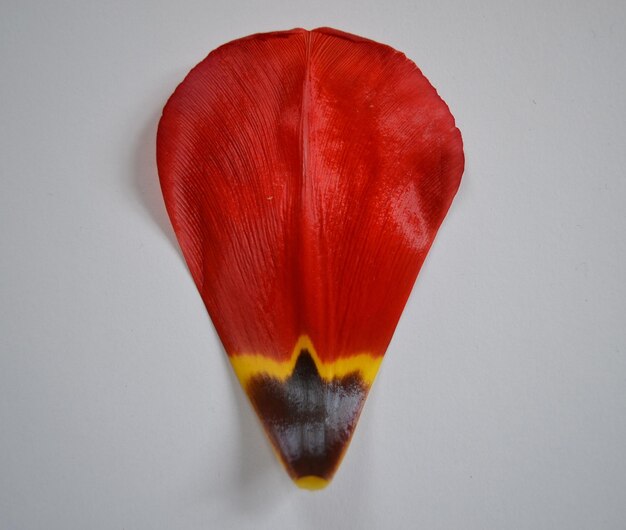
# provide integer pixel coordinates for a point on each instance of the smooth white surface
(502, 400)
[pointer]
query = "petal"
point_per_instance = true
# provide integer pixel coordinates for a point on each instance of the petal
(306, 174)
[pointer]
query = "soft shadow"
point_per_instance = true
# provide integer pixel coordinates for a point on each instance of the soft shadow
(254, 486)
(363, 478)
(146, 180)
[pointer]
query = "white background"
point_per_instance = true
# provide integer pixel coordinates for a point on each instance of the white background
(502, 399)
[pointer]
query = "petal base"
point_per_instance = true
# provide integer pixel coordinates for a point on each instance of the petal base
(308, 418)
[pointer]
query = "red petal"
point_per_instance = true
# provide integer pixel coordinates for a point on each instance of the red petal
(306, 175)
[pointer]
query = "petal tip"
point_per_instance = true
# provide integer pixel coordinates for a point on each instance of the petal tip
(311, 482)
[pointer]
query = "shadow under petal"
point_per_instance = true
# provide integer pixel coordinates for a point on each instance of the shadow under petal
(146, 184)
(253, 488)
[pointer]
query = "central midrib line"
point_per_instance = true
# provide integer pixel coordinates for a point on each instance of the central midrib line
(303, 252)
(310, 253)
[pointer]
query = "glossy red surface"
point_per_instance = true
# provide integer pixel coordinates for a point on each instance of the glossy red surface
(306, 174)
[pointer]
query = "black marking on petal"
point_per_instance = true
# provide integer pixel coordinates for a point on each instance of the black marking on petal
(309, 420)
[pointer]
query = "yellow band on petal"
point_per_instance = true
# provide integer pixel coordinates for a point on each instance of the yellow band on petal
(248, 365)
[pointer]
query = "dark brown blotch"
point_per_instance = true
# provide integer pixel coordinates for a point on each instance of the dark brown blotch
(309, 420)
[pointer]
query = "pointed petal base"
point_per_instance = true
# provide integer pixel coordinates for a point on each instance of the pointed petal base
(308, 419)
